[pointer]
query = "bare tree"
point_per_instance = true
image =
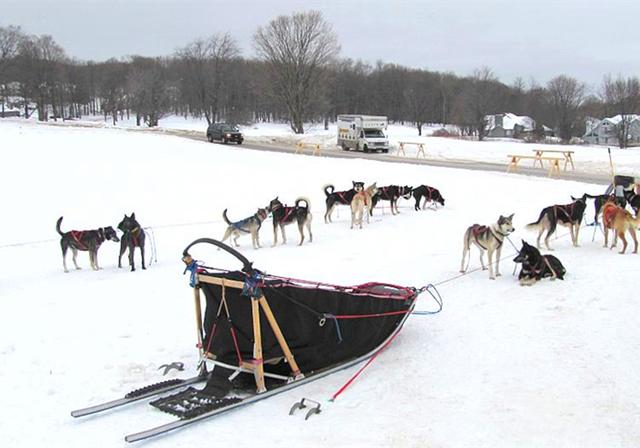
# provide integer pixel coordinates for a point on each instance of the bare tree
(296, 48)
(40, 74)
(622, 97)
(483, 95)
(10, 38)
(566, 95)
(205, 67)
(111, 87)
(420, 95)
(147, 90)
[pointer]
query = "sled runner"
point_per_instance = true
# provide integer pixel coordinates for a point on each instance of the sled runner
(261, 334)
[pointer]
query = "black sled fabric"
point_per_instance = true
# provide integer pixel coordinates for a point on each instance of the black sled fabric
(298, 311)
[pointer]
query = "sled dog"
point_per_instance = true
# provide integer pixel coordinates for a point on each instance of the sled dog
(335, 198)
(85, 240)
(487, 239)
(430, 195)
(391, 193)
(132, 236)
(536, 266)
(361, 204)
(620, 221)
(250, 225)
(283, 215)
(569, 215)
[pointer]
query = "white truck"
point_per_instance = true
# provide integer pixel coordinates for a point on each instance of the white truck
(362, 132)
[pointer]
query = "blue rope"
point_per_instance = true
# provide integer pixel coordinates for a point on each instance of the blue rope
(251, 286)
(193, 268)
(433, 292)
(335, 321)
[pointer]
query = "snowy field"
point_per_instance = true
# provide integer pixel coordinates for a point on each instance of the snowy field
(552, 365)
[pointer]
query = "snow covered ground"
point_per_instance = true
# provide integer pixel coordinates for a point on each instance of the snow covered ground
(555, 364)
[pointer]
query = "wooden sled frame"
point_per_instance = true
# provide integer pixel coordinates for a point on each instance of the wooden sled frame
(255, 365)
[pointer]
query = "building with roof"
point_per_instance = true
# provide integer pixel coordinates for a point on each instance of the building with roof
(605, 131)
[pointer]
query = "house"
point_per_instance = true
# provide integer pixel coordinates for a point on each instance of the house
(605, 131)
(509, 125)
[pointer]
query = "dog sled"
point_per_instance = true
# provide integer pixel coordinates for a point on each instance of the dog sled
(261, 334)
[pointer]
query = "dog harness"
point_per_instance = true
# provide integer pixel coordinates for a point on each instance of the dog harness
(287, 212)
(77, 237)
(240, 224)
(537, 269)
(430, 191)
(608, 213)
(478, 229)
(135, 236)
(341, 196)
(364, 196)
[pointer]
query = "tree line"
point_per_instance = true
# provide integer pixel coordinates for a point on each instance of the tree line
(297, 76)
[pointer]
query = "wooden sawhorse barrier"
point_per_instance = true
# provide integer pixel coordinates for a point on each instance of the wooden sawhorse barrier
(554, 163)
(419, 145)
(315, 146)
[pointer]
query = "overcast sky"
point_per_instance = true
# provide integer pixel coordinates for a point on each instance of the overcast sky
(516, 38)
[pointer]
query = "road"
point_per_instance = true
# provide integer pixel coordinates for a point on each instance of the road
(448, 163)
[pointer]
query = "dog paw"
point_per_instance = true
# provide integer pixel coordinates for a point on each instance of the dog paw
(492, 278)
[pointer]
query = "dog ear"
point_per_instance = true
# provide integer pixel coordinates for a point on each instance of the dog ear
(573, 199)
(511, 216)
(133, 215)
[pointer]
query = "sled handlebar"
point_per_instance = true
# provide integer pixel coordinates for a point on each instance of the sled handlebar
(247, 265)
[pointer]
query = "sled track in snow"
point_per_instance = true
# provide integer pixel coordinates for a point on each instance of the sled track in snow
(451, 163)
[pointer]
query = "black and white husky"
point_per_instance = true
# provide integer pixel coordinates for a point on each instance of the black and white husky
(536, 266)
(283, 215)
(488, 239)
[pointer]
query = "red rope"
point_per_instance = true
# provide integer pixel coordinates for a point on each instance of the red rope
(357, 374)
(235, 343)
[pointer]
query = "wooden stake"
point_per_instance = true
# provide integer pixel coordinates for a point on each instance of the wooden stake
(198, 307)
(611, 164)
(258, 367)
(280, 337)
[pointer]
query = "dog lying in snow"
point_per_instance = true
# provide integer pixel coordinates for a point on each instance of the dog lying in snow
(536, 266)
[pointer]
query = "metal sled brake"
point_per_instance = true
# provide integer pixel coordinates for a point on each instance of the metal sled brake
(264, 334)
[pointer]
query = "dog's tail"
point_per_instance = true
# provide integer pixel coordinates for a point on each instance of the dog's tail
(536, 224)
(305, 200)
(329, 187)
(58, 223)
(224, 216)
(590, 196)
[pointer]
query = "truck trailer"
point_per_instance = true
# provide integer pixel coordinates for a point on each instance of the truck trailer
(363, 133)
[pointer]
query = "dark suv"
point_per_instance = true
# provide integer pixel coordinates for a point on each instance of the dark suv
(225, 133)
